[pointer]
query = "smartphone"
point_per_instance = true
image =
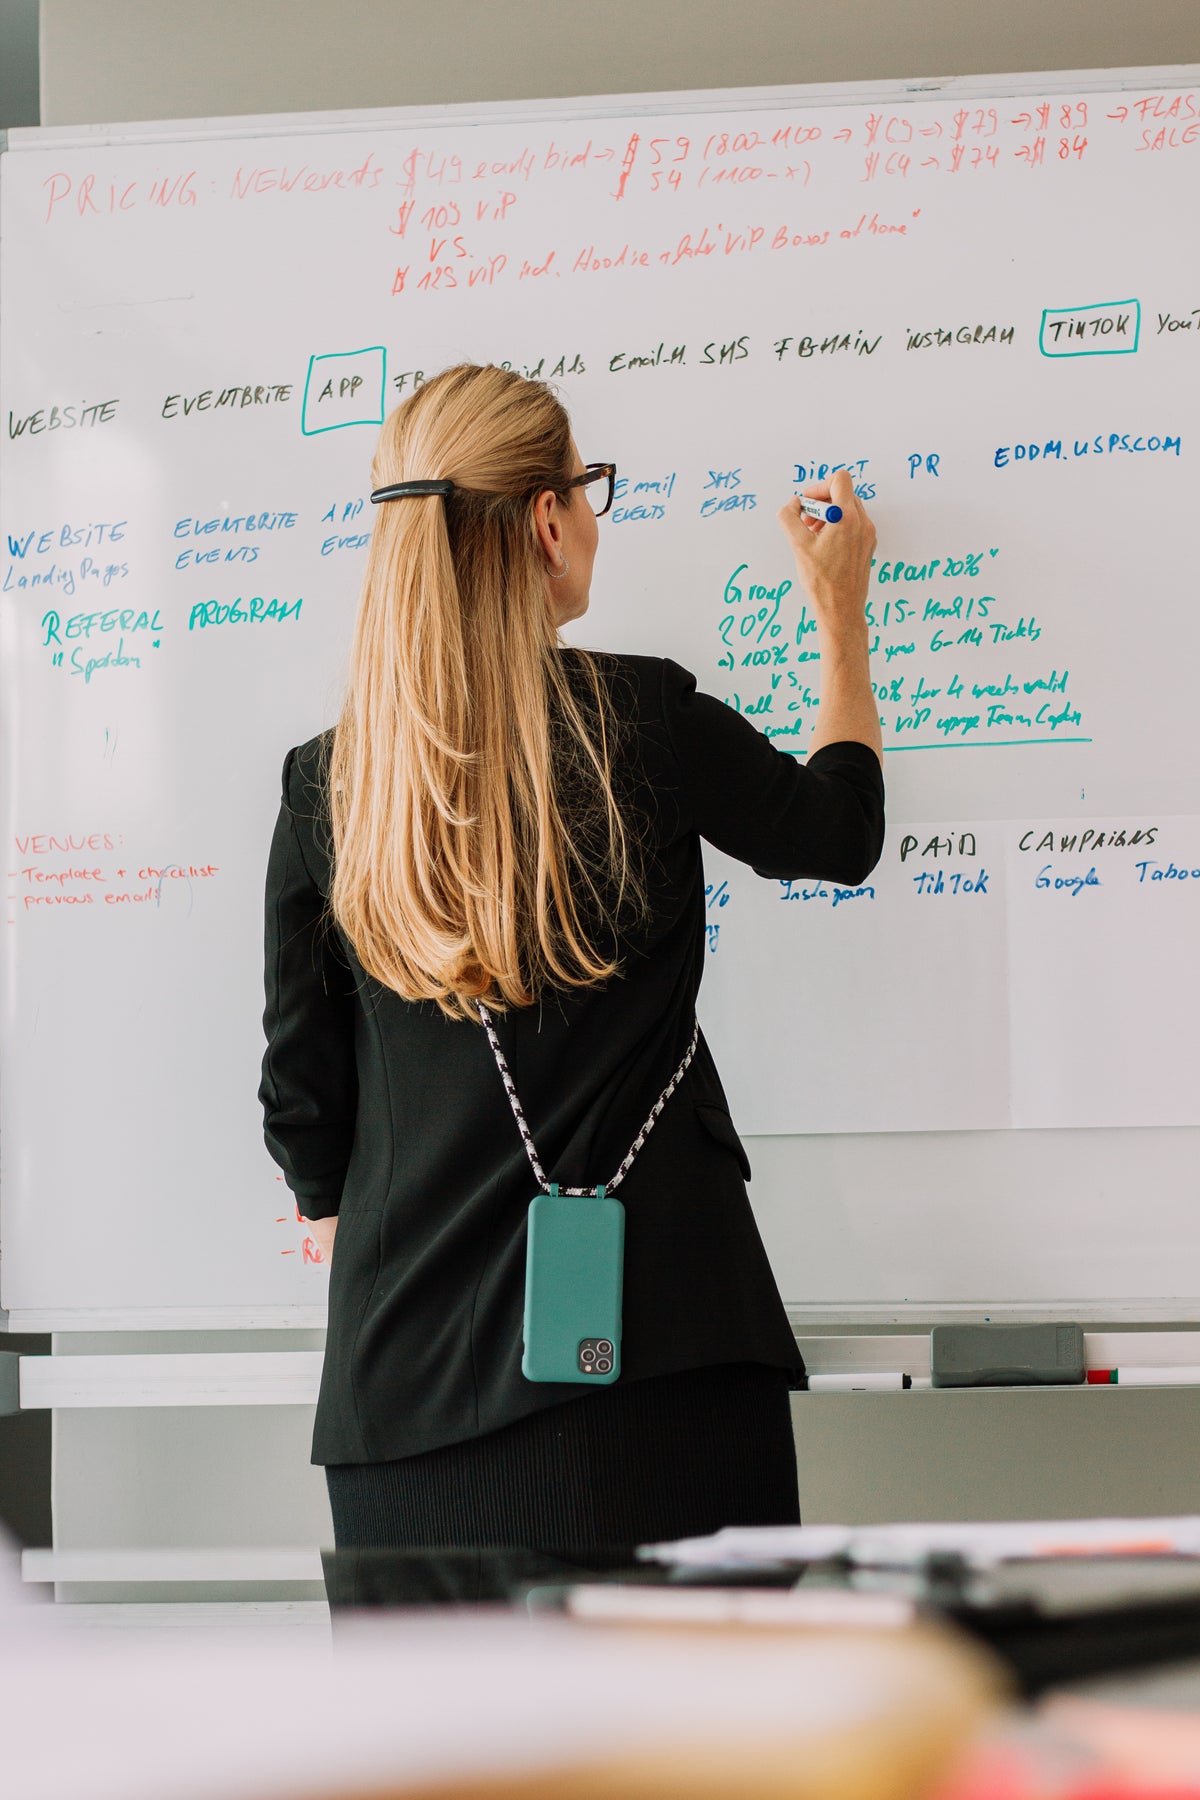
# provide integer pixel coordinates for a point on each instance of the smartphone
(574, 1268)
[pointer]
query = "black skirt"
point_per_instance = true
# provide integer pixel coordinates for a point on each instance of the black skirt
(672, 1456)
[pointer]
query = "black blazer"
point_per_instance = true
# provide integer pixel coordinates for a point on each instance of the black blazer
(394, 1117)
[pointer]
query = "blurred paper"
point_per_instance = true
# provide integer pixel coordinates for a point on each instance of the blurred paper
(905, 1545)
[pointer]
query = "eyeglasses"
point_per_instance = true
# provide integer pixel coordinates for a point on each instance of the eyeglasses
(599, 497)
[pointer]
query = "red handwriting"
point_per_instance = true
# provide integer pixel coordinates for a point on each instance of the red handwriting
(630, 258)
(453, 193)
(1156, 106)
(45, 843)
(304, 179)
(38, 876)
(90, 197)
(1168, 121)
(103, 882)
(630, 157)
(1168, 137)
(564, 160)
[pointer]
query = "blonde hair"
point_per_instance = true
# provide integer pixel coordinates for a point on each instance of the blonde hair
(459, 873)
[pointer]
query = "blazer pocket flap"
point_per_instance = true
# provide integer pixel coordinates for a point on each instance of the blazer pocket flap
(719, 1125)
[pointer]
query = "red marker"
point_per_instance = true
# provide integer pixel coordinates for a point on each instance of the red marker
(1169, 1375)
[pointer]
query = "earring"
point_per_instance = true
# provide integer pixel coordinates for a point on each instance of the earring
(565, 570)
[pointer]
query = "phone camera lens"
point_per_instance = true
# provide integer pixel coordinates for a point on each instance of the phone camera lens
(587, 1355)
(604, 1347)
(603, 1364)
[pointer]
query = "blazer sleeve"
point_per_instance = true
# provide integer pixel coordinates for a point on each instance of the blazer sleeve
(784, 817)
(309, 1088)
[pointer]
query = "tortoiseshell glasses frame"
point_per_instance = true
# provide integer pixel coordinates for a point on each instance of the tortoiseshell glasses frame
(598, 472)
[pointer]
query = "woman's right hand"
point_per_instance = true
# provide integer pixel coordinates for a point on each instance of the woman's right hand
(834, 561)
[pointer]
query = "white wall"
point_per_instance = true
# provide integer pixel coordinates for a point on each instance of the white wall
(228, 1477)
(106, 60)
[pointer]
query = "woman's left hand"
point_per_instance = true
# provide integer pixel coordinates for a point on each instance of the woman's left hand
(324, 1230)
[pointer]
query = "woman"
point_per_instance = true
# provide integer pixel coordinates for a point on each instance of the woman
(500, 821)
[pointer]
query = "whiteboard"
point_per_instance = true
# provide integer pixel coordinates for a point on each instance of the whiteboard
(978, 296)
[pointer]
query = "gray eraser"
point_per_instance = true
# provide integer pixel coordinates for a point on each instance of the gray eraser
(1005, 1355)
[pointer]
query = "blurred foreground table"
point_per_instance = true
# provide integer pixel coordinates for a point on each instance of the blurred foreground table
(492, 1703)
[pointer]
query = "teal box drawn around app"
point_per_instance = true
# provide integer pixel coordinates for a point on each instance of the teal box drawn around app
(344, 387)
(1113, 331)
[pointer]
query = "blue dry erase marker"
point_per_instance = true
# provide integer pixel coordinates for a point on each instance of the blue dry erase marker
(820, 509)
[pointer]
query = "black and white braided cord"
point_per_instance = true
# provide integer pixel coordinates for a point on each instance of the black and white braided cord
(540, 1174)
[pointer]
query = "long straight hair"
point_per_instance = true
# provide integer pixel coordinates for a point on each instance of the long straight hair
(480, 852)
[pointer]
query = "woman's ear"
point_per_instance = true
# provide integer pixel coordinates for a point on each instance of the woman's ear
(547, 523)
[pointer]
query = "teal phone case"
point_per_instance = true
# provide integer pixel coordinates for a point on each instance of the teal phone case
(574, 1266)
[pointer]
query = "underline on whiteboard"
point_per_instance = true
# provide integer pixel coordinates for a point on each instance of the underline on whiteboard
(989, 743)
(974, 744)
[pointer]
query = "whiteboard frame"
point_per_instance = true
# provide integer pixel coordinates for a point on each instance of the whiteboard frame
(605, 106)
(803, 1317)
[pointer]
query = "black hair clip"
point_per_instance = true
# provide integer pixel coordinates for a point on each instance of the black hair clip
(399, 490)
